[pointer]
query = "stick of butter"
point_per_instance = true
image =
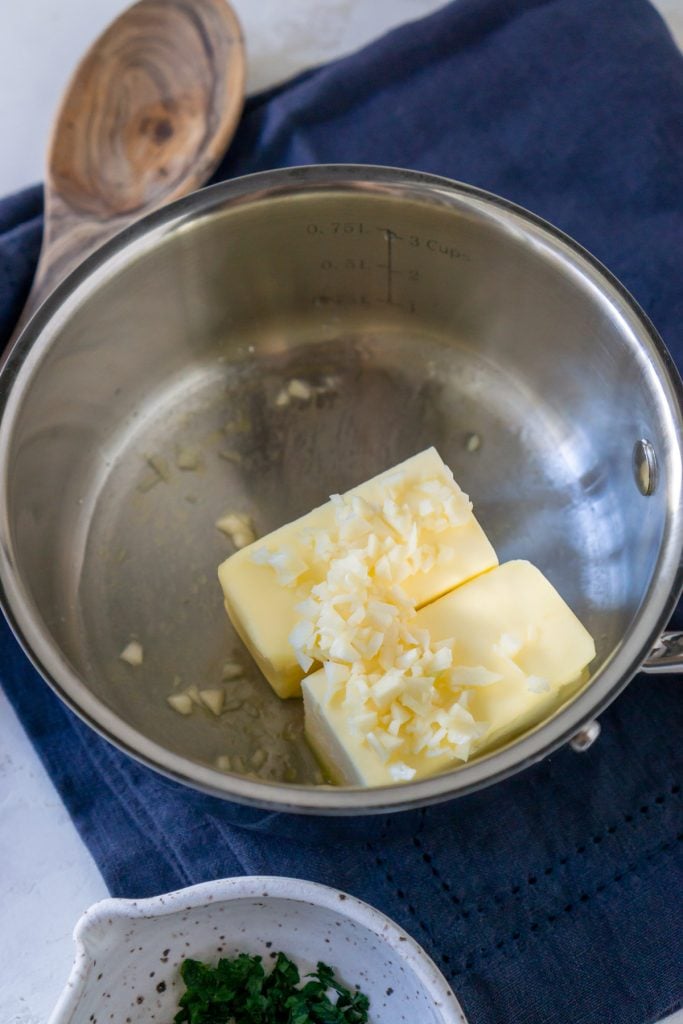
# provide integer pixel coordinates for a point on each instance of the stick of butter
(415, 527)
(515, 646)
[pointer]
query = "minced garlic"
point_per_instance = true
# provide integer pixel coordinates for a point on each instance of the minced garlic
(400, 691)
(133, 654)
(238, 527)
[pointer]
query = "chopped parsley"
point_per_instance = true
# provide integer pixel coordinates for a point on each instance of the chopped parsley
(238, 991)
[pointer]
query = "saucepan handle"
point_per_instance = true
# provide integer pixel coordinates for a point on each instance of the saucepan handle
(666, 655)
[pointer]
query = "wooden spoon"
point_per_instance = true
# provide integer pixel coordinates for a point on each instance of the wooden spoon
(145, 119)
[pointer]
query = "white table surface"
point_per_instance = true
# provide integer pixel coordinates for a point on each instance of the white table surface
(48, 877)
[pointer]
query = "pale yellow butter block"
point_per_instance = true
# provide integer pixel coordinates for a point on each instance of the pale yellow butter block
(512, 622)
(513, 604)
(263, 611)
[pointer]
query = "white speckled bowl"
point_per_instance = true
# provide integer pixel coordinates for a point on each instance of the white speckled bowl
(128, 951)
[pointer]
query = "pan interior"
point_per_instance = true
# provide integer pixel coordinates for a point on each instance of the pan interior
(164, 402)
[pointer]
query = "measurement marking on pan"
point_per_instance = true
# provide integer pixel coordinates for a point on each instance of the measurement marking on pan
(390, 236)
(341, 291)
(434, 246)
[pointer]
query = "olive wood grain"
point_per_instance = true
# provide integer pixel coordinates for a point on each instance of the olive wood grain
(145, 119)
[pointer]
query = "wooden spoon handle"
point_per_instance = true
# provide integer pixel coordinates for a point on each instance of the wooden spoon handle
(67, 239)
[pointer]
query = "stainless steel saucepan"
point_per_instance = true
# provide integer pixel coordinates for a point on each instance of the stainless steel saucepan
(153, 393)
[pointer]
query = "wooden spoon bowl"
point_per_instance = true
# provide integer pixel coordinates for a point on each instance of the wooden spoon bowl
(145, 119)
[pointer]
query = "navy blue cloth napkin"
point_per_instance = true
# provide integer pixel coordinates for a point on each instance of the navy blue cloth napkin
(556, 896)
